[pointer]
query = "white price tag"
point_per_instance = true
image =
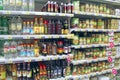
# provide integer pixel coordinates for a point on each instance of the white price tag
(111, 33)
(111, 39)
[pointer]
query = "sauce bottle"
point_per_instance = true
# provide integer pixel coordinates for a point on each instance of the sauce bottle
(46, 27)
(54, 48)
(36, 48)
(66, 30)
(19, 72)
(29, 72)
(41, 26)
(66, 47)
(14, 72)
(36, 27)
(58, 27)
(49, 27)
(24, 72)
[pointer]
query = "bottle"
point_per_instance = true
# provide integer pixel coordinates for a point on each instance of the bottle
(28, 50)
(55, 5)
(12, 26)
(58, 27)
(13, 49)
(44, 49)
(24, 72)
(31, 5)
(19, 47)
(54, 48)
(28, 28)
(49, 27)
(19, 25)
(12, 5)
(31, 27)
(48, 6)
(36, 48)
(61, 8)
(1, 24)
(41, 26)
(66, 25)
(48, 71)
(66, 46)
(53, 28)
(69, 47)
(46, 27)
(60, 47)
(3, 72)
(29, 72)
(5, 25)
(7, 49)
(6, 4)
(52, 7)
(14, 72)
(36, 27)
(19, 5)
(1, 4)
(25, 5)
(65, 8)
(19, 72)
(49, 47)
(24, 31)
(32, 50)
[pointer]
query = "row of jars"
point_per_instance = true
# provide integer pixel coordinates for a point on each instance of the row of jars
(90, 38)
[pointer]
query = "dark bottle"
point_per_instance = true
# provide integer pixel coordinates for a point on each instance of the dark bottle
(19, 72)
(60, 47)
(59, 69)
(54, 48)
(66, 27)
(58, 27)
(53, 27)
(69, 46)
(55, 71)
(44, 48)
(34, 72)
(24, 72)
(65, 8)
(66, 46)
(52, 6)
(49, 27)
(52, 72)
(64, 63)
(37, 72)
(29, 72)
(61, 8)
(55, 7)
(48, 71)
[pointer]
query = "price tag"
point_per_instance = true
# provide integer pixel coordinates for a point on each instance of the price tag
(36, 30)
(114, 71)
(8, 12)
(10, 37)
(110, 59)
(111, 39)
(109, 53)
(111, 45)
(28, 37)
(27, 13)
(111, 33)
(112, 65)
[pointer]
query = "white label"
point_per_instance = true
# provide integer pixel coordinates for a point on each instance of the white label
(19, 26)
(12, 2)
(65, 49)
(13, 27)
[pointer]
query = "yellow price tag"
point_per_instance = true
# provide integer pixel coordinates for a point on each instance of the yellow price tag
(27, 13)
(36, 30)
(49, 58)
(28, 37)
(8, 12)
(10, 37)
(10, 61)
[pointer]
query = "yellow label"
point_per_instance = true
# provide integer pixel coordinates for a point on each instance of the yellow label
(36, 51)
(42, 29)
(3, 75)
(37, 30)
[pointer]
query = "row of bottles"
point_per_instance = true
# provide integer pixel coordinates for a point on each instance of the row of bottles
(35, 48)
(35, 70)
(18, 5)
(52, 6)
(16, 25)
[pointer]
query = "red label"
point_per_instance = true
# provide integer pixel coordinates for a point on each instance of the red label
(110, 59)
(114, 71)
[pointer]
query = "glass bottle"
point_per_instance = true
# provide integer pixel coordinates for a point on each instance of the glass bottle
(41, 26)
(19, 25)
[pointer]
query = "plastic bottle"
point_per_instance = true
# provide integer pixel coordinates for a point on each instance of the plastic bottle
(24, 28)
(1, 4)
(12, 5)
(6, 4)
(25, 5)
(19, 25)
(19, 5)
(19, 47)
(28, 27)
(12, 26)
(13, 49)
(31, 5)
(31, 27)
(5, 25)
(7, 49)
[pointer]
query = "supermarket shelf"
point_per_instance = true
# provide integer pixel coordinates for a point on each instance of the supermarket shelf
(75, 62)
(88, 75)
(34, 36)
(96, 15)
(93, 30)
(33, 59)
(88, 46)
(4, 12)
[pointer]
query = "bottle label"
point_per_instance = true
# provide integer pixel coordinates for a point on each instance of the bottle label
(19, 26)
(6, 49)
(65, 49)
(24, 73)
(12, 2)
(3, 75)
(31, 31)
(37, 30)
(14, 73)
(18, 73)
(6, 2)
(29, 74)
(13, 27)
(18, 2)
(36, 51)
